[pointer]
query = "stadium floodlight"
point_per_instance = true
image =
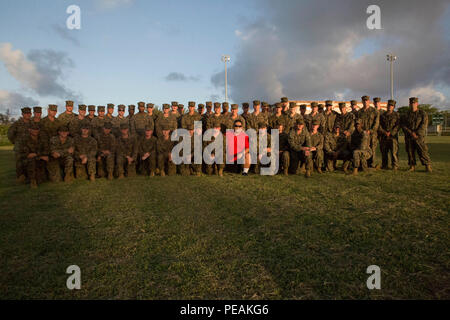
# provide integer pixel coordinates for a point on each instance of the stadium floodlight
(391, 58)
(226, 58)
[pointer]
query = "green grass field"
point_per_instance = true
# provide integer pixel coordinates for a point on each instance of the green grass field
(234, 237)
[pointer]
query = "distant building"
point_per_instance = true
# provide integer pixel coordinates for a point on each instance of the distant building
(335, 104)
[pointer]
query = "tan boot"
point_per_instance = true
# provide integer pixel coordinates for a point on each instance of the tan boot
(345, 167)
(110, 176)
(68, 178)
(163, 174)
(92, 177)
(152, 174)
(319, 170)
(121, 176)
(33, 184)
(412, 168)
(220, 172)
(285, 171)
(308, 173)
(302, 168)
(21, 179)
(355, 171)
(428, 168)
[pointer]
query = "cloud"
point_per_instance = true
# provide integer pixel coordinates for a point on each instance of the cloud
(177, 76)
(65, 34)
(14, 101)
(306, 50)
(41, 70)
(111, 4)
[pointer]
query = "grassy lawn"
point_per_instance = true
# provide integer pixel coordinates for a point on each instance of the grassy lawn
(234, 237)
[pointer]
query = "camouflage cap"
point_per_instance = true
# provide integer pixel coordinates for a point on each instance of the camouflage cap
(174, 103)
(91, 107)
(209, 103)
(86, 125)
(141, 104)
(165, 127)
(200, 106)
(284, 100)
(26, 110)
(180, 106)
(234, 106)
(110, 106)
(37, 109)
(245, 105)
(278, 105)
(256, 102)
(353, 102)
(299, 121)
(365, 98)
(166, 106)
(413, 100)
(53, 107)
(376, 99)
(108, 125)
(392, 102)
(100, 108)
(150, 105)
(82, 107)
(69, 103)
(63, 129)
(321, 106)
(225, 104)
(124, 126)
(121, 107)
(329, 103)
(265, 104)
(303, 106)
(191, 104)
(314, 105)
(148, 128)
(342, 104)
(217, 105)
(190, 126)
(292, 105)
(34, 126)
(131, 107)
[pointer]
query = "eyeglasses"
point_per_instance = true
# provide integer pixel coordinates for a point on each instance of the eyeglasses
(236, 126)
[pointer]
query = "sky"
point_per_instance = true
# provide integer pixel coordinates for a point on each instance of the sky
(161, 51)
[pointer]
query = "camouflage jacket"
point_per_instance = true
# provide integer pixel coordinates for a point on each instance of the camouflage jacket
(274, 119)
(164, 146)
(283, 139)
(317, 140)
(310, 118)
(49, 128)
(75, 126)
(329, 121)
(29, 145)
(170, 121)
(139, 121)
(333, 143)
(147, 145)
(17, 131)
(213, 118)
(229, 122)
(97, 126)
(297, 141)
(106, 143)
(116, 122)
(254, 120)
(188, 119)
(346, 122)
(360, 141)
(127, 147)
(291, 120)
(415, 122)
(65, 118)
(62, 148)
(370, 119)
(389, 122)
(85, 146)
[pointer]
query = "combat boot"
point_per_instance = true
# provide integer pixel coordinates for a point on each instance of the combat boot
(377, 167)
(33, 184)
(121, 176)
(319, 170)
(302, 168)
(92, 177)
(285, 171)
(152, 174)
(308, 173)
(345, 167)
(428, 168)
(163, 173)
(21, 179)
(220, 172)
(355, 171)
(395, 168)
(412, 168)
(110, 176)
(68, 178)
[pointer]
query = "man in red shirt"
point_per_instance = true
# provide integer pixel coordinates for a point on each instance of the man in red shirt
(238, 147)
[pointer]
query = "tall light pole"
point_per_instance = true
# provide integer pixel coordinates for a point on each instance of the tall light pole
(391, 58)
(226, 58)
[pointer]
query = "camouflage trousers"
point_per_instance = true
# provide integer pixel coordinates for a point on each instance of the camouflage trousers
(389, 147)
(81, 169)
(149, 165)
(54, 167)
(20, 165)
(105, 165)
(317, 158)
(360, 158)
(420, 146)
(294, 158)
(373, 161)
(164, 164)
(35, 169)
(344, 155)
(123, 167)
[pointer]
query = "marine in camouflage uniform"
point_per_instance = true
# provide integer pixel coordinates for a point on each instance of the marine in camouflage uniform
(283, 147)
(68, 115)
(106, 154)
(91, 112)
(33, 153)
(292, 117)
(354, 109)
(232, 117)
(277, 118)
(140, 120)
(299, 144)
(166, 119)
(207, 115)
(126, 153)
(119, 120)
(329, 118)
(388, 134)
(164, 146)
(16, 132)
(37, 115)
(215, 117)
(337, 147)
(189, 118)
(50, 124)
(315, 115)
(360, 146)
(262, 131)
(75, 123)
(370, 119)
(147, 151)
(285, 106)
(62, 149)
(151, 112)
(175, 113)
(225, 109)
(256, 117)
(85, 153)
(109, 112)
(245, 114)
(316, 145)
(414, 124)
(98, 122)
(345, 121)
(216, 168)
(131, 111)
(192, 168)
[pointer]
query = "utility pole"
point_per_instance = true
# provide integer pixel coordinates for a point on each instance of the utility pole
(226, 58)
(391, 58)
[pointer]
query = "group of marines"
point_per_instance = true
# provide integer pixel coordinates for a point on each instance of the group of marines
(99, 145)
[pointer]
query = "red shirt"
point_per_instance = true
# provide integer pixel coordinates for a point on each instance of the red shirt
(236, 144)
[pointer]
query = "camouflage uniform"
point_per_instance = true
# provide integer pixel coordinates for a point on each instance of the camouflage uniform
(213, 119)
(64, 161)
(274, 120)
(116, 123)
(346, 122)
(148, 146)
(126, 147)
(75, 126)
(329, 122)
(317, 156)
(291, 120)
(49, 128)
(106, 161)
(188, 119)
(34, 167)
(336, 147)
(416, 122)
(254, 120)
(16, 132)
(88, 147)
(360, 146)
(389, 122)
(229, 121)
(315, 117)
(138, 123)
(370, 121)
(296, 154)
(65, 118)
(170, 121)
(163, 149)
(215, 167)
